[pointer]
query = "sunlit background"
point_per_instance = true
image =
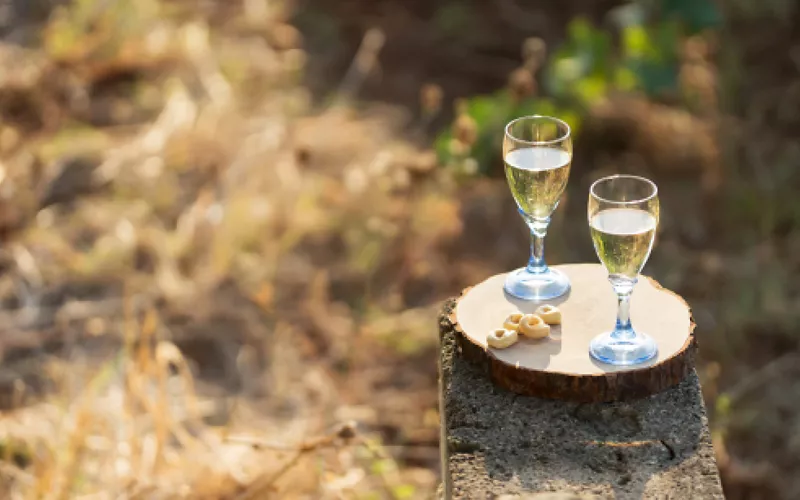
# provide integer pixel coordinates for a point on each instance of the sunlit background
(228, 225)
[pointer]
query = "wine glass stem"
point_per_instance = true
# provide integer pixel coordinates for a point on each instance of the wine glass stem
(538, 227)
(623, 289)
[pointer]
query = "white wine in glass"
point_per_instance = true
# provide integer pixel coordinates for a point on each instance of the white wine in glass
(623, 215)
(537, 151)
(537, 177)
(623, 238)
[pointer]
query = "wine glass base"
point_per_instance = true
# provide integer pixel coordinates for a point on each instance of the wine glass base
(526, 285)
(620, 352)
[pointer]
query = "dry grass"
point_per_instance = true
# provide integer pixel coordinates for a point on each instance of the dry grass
(174, 226)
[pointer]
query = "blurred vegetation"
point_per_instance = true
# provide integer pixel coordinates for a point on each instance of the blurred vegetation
(178, 228)
(220, 284)
(642, 54)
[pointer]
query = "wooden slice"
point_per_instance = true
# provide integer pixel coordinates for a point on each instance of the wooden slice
(559, 367)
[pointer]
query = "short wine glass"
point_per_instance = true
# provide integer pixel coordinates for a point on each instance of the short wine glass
(623, 215)
(537, 151)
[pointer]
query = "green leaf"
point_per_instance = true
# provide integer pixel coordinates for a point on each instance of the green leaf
(442, 146)
(655, 77)
(698, 15)
(486, 109)
(403, 491)
(635, 42)
(723, 405)
(589, 89)
(586, 52)
(625, 79)
(370, 495)
(666, 38)
(573, 118)
(569, 69)
(381, 467)
(580, 30)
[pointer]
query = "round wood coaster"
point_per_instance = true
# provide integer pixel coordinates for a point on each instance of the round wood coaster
(559, 367)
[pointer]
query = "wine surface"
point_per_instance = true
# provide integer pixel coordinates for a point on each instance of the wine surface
(537, 176)
(623, 239)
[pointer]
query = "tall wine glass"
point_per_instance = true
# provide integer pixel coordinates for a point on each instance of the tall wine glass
(537, 151)
(623, 215)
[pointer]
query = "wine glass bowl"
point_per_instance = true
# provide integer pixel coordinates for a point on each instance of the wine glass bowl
(623, 213)
(537, 152)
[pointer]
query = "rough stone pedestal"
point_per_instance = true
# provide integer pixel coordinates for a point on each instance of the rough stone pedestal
(497, 443)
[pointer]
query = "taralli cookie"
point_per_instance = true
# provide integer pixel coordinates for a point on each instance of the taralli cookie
(550, 314)
(501, 338)
(534, 327)
(512, 321)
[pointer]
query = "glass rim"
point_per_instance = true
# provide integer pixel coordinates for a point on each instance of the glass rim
(624, 176)
(558, 121)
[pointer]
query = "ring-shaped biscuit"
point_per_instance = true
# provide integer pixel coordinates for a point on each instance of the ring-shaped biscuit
(550, 314)
(534, 327)
(512, 321)
(501, 338)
